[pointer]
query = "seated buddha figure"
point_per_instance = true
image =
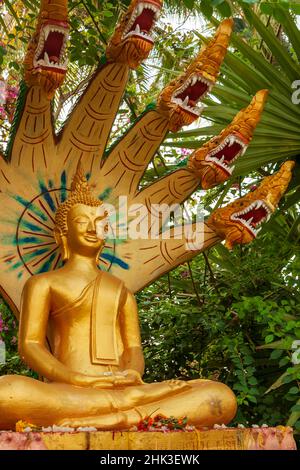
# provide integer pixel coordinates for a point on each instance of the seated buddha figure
(79, 330)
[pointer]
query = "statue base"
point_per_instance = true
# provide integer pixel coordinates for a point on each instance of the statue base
(277, 438)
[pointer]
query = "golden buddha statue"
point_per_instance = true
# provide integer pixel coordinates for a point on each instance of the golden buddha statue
(79, 325)
(93, 364)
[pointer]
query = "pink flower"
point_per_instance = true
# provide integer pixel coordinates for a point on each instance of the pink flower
(8, 93)
(2, 89)
(2, 113)
(12, 92)
(185, 151)
(185, 274)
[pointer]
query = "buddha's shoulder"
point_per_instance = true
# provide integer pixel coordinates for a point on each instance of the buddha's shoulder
(42, 280)
(119, 283)
(107, 275)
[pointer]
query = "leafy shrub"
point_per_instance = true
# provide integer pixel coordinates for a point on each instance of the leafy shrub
(225, 331)
(9, 334)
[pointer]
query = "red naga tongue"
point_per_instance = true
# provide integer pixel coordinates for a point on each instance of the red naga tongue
(145, 20)
(194, 92)
(255, 214)
(53, 46)
(229, 152)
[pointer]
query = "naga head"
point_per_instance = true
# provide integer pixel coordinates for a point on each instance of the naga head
(179, 101)
(45, 61)
(240, 221)
(214, 162)
(132, 42)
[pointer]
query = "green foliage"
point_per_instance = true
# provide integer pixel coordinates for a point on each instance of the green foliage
(222, 332)
(226, 8)
(245, 71)
(9, 334)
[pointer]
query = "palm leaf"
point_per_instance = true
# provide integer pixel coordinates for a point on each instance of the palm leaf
(289, 67)
(291, 30)
(277, 136)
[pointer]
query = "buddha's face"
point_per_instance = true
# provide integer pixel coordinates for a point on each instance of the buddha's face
(86, 229)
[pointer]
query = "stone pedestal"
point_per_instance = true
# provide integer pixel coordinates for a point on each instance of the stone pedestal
(279, 438)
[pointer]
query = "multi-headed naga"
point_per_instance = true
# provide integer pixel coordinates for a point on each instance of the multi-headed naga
(37, 173)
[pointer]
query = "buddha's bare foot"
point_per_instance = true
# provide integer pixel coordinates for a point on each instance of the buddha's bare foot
(105, 422)
(138, 395)
(158, 391)
(176, 385)
(168, 387)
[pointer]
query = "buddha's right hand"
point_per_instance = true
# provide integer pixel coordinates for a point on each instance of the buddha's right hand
(91, 381)
(104, 381)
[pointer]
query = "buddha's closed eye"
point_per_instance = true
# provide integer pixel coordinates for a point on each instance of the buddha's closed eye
(81, 221)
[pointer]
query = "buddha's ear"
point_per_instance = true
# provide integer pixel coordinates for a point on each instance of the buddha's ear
(62, 242)
(57, 236)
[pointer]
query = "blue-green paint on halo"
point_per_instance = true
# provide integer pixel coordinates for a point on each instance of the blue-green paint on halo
(29, 205)
(29, 256)
(105, 194)
(47, 265)
(31, 240)
(16, 265)
(63, 182)
(33, 227)
(47, 196)
(115, 241)
(120, 241)
(115, 260)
